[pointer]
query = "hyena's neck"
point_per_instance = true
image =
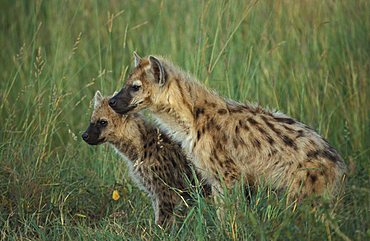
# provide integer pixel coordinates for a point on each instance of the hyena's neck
(130, 142)
(126, 148)
(138, 137)
(181, 103)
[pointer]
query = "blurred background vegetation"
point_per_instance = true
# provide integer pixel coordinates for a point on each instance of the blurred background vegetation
(309, 59)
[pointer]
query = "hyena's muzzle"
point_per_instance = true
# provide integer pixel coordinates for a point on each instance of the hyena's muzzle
(121, 102)
(92, 135)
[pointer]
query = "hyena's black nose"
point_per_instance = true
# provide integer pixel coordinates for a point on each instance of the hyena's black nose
(112, 102)
(85, 136)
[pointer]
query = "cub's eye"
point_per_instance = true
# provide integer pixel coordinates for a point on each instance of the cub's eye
(103, 123)
(135, 87)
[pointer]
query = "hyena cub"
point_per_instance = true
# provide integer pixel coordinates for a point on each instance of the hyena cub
(230, 141)
(155, 163)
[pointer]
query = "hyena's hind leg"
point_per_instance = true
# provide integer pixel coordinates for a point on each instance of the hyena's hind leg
(219, 190)
(311, 180)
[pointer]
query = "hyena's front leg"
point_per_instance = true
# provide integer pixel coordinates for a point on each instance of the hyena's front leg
(218, 197)
(164, 212)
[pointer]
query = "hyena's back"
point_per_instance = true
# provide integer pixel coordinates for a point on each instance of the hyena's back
(256, 143)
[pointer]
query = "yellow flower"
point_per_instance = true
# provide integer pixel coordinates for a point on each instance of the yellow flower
(115, 195)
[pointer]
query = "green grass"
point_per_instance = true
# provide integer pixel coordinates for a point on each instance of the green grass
(309, 59)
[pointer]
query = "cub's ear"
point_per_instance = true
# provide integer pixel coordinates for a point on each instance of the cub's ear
(115, 93)
(137, 59)
(97, 98)
(158, 70)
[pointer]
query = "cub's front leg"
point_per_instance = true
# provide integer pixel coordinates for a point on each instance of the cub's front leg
(163, 209)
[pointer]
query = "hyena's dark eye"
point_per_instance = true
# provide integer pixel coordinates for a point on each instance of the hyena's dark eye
(135, 87)
(103, 123)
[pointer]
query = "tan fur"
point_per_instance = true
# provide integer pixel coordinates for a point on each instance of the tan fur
(157, 164)
(230, 141)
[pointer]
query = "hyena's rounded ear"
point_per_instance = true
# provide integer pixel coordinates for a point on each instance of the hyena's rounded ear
(137, 59)
(97, 98)
(158, 70)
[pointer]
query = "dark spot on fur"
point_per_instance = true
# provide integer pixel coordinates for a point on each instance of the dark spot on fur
(300, 133)
(323, 171)
(174, 164)
(272, 152)
(271, 126)
(243, 125)
(289, 142)
(270, 140)
(256, 143)
(266, 136)
(285, 120)
(224, 138)
(221, 164)
(219, 146)
(233, 176)
(313, 154)
(237, 130)
(182, 94)
(210, 124)
(313, 144)
(230, 162)
(246, 127)
(213, 105)
(261, 130)
(264, 118)
(198, 135)
(151, 143)
(330, 155)
(313, 178)
(234, 109)
(252, 121)
(236, 143)
(289, 129)
(203, 130)
(198, 112)
(222, 111)
(226, 174)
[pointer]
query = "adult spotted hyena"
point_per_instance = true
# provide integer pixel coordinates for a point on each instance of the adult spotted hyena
(156, 163)
(230, 141)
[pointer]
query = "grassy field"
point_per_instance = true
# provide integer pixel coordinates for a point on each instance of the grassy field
(309, 59)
